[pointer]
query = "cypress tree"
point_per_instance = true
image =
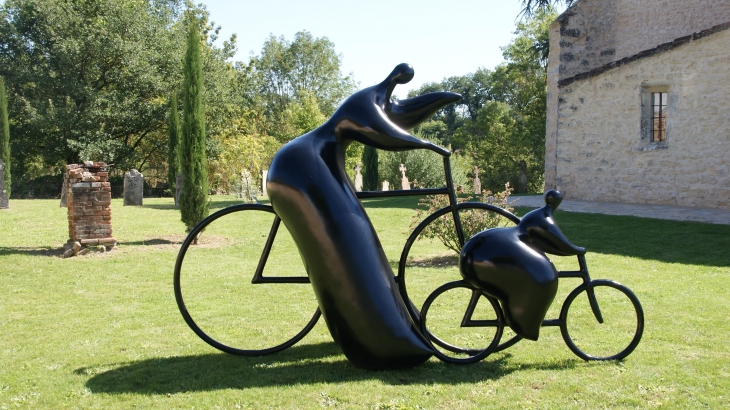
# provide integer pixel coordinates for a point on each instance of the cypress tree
(5, 134)
(173, 145)
(370, 169)
(193, 163)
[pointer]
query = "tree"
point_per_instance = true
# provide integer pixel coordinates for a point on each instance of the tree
(301, 116)
(530, 7)
(500, 120)
(173, 145)
(88, 76)
(475, 90)
(5, 135)
(370, 168)
(294, 71)
(193, 162)
(92, 80)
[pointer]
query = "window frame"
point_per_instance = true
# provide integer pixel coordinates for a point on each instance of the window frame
(659, 116)
(647, 142)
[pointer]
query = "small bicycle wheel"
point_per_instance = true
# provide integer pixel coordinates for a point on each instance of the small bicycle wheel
(459, 329)
(610, 329)
(214, 289)
(426, 263)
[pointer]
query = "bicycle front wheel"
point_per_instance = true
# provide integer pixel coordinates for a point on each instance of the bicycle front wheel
(609, 329)
(214, 289)
(460, 329)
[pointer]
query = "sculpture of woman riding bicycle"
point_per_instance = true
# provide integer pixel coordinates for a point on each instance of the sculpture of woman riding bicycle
(366, 305)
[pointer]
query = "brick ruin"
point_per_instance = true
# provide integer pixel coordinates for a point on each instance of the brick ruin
(88, 198)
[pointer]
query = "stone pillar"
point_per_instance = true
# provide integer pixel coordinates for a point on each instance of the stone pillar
(89, 197)
(264, 175)
(358, 178)
(477, 184)
(4, 200)
(133, 188)
(404, 184)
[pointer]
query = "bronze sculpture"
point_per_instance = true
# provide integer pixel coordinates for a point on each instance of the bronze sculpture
(367, 309)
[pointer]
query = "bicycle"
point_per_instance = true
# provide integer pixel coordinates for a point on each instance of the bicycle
(497, 323)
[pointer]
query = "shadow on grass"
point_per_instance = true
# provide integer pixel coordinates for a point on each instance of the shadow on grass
(214, 205)
(407, 202)
(172, 240)
(32, 251)
(441, 261)
(670, 241)
(657, 239)
(300, 364)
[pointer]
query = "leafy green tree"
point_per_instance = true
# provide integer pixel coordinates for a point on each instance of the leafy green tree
(92, 80)
(4, 135)
(87, 75)
(500, 120)
(295, 71)
(301, 116)
(493, 142)
(193, 162)
(531, 7)
(475, 90)
(370, 169)
(173, 145)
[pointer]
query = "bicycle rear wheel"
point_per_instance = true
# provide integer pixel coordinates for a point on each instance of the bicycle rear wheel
(610, 329)
(214, 289)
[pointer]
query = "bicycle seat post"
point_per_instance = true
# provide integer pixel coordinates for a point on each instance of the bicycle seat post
(453, 201)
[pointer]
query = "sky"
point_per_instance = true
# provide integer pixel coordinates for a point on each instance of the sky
(438, 38)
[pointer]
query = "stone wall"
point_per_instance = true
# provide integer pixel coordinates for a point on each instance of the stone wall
(593, 33)
(598, 149)
(88, 198)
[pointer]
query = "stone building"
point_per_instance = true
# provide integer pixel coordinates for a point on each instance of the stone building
(639, 102)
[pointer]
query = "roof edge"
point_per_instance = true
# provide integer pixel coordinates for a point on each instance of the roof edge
(661, 48)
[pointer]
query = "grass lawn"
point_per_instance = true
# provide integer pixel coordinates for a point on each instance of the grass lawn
(103, 330)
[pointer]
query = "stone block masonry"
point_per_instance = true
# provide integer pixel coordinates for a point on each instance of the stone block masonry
(88, 197)
(602, 154)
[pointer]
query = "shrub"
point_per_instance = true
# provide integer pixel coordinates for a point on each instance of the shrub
(473, 221)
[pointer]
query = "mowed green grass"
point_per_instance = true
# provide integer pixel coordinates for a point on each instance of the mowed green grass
(103, 330)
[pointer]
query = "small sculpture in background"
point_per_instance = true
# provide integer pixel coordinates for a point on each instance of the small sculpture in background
(248, 189)
(358, 178)
(264, 174)
(386, 186)
(477, 184)
(404, 184)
